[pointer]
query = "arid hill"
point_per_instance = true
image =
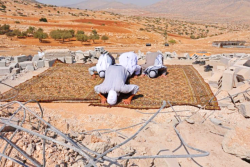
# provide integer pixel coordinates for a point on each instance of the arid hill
(206, 10)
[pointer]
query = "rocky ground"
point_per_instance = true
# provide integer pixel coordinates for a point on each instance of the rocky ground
(223, 133)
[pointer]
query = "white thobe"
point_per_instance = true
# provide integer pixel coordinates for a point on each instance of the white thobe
(115, 79)
(129, 61)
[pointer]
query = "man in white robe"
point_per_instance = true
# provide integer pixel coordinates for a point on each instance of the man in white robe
(129, 61)
(114, 84)
(104, 61)
(154, 65)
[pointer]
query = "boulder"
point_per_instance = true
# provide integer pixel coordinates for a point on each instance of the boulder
(5, 70)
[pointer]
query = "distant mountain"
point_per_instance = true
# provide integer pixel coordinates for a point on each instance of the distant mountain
(102, 4)
(219, 10)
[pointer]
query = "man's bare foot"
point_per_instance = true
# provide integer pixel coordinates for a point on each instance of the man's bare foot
(93, 77)
(103, 100)
(143, 75)
(126, 101)
(163, 76)
(136, 76)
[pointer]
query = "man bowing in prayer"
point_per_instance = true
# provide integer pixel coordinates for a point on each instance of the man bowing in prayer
(114, 84)
(129, 61)
(104, 61)
(154, 65)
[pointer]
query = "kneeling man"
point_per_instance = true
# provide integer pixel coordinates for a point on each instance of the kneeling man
(154, 65)
(129, 61)
(104, 61)
(114, 84)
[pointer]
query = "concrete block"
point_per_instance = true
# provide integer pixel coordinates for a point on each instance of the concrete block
(14, 65)
(24, 64)
(243, 74)
(22, 58)
(214, 80)
(30, 68)
(16, 71)
(14, 121)
(244, 109)
(49, 63)
(228, 80)
(3, 63)
(2, 58)
(5, 70)
(56, 53)
(40, 63)
(69, 60)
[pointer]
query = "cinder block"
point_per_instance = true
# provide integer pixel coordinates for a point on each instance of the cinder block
(22, 58)
(2, 63)
(244, 109)
(29, 68)
(214, 80)
(16, 70)
(228, 80)
(49, 63)
(5, 70)
(23, 65)
(69, 60)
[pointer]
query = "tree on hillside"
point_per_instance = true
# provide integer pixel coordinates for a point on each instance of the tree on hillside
(172, 41)
(82, 37)
(4, 29)
(31, 30)
(61, 34)
(72, 32)
(40, 35)
(43, 20)
(80, 32)
(94, 35)
(105, 38)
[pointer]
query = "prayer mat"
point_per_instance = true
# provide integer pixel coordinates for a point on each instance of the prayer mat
(183, 85)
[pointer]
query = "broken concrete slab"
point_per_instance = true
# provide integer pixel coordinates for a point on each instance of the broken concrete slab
(235, 91)
(243, 74)
(5, 70)
(49, 63)
(24, 64)
(29, 68)
(19, 59)
(244, 109)
(14, 65)
(2, 63)
(236, 141)
(69, 60)
(56, 53)
(7, 128)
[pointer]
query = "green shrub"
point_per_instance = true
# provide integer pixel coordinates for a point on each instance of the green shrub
(43, 20)
(105, 38)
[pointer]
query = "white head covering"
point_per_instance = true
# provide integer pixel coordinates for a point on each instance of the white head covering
(102, 74)
(152, 74)
(112, 97)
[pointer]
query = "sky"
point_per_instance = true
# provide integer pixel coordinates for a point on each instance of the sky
(67, 2)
